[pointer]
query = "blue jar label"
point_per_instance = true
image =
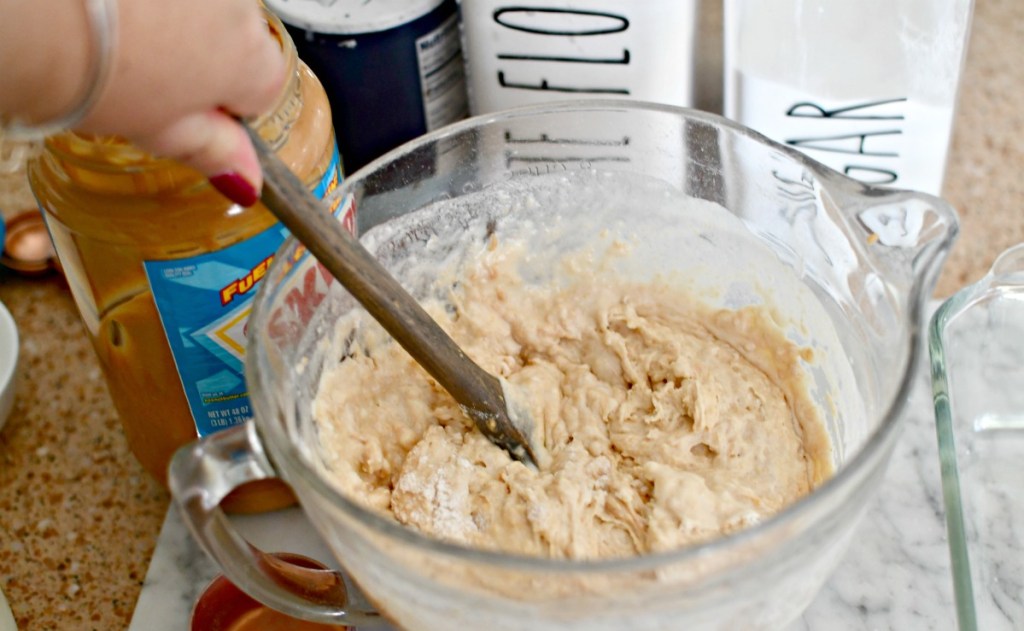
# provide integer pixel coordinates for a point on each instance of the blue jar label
(204, 304)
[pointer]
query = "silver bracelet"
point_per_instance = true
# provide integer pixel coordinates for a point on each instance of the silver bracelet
(102, 17)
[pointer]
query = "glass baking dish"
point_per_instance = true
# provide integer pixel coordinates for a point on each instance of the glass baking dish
(976, 343)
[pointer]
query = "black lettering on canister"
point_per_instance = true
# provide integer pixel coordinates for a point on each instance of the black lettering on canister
(530, 20)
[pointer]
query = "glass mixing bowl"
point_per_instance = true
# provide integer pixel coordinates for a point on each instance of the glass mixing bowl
(845, 266)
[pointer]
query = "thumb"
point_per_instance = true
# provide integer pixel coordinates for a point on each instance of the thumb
(216, 145)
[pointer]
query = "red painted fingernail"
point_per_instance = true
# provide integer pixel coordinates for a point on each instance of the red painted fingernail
(236, 188)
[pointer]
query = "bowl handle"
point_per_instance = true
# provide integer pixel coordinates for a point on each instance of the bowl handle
(201, 475)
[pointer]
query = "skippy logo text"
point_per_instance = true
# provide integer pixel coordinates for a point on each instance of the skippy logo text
(307, 284)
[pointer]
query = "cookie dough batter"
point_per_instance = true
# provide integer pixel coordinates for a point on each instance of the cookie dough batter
(661, 422)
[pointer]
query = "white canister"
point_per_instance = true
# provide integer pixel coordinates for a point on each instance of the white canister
(548, 50)
(867, 87)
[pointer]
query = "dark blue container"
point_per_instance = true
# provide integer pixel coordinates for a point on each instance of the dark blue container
(392, 69)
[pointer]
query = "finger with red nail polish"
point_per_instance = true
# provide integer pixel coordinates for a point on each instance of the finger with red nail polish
(215, 144)
(236, 188)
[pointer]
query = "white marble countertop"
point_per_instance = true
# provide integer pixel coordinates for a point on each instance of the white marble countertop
(895, 576)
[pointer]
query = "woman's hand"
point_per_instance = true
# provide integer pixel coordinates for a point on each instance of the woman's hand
(177, 68)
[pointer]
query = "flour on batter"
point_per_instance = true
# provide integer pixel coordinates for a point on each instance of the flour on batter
(661, 422)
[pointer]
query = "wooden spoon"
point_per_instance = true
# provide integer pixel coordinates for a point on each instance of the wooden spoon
(481, 395)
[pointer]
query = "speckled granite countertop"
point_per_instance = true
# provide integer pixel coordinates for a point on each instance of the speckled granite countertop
(79, 517)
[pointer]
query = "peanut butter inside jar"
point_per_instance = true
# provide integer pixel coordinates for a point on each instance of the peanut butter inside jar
(128, 226)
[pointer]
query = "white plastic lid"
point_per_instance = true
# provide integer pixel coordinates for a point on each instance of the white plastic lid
(350, 17)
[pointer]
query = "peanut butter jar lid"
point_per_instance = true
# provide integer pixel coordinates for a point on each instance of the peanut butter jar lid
(27, 247)
(224, 607)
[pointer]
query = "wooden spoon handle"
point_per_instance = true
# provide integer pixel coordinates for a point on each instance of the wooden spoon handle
(478, 392)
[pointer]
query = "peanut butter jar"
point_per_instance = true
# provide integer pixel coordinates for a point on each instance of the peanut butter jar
(164, 270)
